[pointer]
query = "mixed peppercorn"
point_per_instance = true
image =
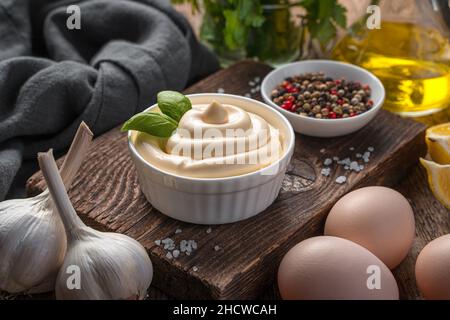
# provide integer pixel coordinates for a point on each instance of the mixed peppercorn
(317, 96)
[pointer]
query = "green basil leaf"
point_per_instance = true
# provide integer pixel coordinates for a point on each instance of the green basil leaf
(235, 31)
(173, 104)
(339, 15)
(155, 124)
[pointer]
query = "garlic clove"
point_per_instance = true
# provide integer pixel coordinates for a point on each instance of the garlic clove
(27, 245)
(32, 236)
(111, 266)
(97, 265)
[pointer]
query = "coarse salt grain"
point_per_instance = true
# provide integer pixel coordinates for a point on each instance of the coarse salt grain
(183, 245)
(354, 166)
(186, 246)
(208, 231)
(221, 90)
(216, 248)
(251, 83)
(366, 156)
(341, 179)
(195, 269)
(178, 231)
(322, 150)
(325, 172)
(168, 244)
(257, 79)
(345, 162)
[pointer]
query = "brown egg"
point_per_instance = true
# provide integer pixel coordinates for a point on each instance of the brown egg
(433, 269)
(378, 218)
(334, 268)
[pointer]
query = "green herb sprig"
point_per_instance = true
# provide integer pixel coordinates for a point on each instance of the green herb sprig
(323, 18)
(228, 23)
(173, 106)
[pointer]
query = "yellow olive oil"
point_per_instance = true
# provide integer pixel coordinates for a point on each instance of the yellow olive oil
(413, 62)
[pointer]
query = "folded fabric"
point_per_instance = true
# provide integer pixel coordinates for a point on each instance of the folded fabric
(53, 77)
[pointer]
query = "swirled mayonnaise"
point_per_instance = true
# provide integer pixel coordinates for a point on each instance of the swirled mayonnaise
(213, 141)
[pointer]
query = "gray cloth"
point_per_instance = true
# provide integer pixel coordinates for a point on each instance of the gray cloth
(52, 78)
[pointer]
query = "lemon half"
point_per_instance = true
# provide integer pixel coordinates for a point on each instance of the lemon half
(439, 180)
(438, 141)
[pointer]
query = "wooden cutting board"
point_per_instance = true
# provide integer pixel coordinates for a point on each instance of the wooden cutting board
(107, 196)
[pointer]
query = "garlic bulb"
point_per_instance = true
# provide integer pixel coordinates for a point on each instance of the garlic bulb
(32, 236)
(98, 265)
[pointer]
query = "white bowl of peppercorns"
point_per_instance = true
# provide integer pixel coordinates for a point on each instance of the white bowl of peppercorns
(324, 98)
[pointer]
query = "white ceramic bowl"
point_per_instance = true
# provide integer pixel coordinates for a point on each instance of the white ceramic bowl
(217, 200)
(337, 70)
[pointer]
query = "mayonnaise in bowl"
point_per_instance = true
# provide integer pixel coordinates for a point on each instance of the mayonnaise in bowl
(214, 140)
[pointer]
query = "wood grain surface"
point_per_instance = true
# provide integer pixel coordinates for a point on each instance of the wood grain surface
(106, 195)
